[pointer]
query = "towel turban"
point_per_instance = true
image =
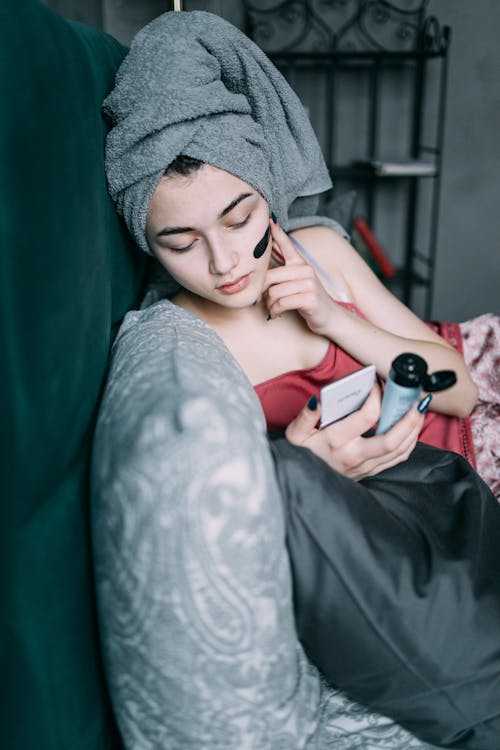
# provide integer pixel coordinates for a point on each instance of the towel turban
(193, 84)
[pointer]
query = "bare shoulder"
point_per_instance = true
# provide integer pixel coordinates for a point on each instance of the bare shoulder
(322, 242)
(329, 249)
(333, 253)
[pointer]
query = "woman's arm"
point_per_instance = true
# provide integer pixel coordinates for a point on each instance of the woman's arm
(390, 327)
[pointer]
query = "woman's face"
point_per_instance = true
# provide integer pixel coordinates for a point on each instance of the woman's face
(204, 228)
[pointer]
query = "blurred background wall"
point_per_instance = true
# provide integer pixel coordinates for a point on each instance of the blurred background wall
(467, 273)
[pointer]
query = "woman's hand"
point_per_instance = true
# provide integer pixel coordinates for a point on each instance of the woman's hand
(342, 446)
(295, 286)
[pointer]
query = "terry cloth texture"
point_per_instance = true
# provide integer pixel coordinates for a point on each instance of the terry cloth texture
(193, 84)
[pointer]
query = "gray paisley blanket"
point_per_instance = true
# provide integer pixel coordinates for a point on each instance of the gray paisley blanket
(192, 572)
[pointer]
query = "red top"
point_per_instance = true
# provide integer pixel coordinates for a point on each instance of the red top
(283, 396)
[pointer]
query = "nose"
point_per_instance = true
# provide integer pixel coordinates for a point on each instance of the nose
(223, 258)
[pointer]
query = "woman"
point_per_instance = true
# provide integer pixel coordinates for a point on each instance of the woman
(208, 139)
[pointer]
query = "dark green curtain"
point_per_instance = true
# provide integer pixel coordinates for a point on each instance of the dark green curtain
(68, 273)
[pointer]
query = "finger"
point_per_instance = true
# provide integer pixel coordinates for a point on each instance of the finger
(282, 274)
(304, 424)
(395, 446)
(403, 427)
(356, 424)
(356, 469)
(372, 468)
(399, 454)
(303, 301)
(398, 440)
(285, 245)
(402, 446)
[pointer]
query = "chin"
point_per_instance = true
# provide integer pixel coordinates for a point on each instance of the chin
(238, 301)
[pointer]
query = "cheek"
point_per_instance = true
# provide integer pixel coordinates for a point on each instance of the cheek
(184, 270)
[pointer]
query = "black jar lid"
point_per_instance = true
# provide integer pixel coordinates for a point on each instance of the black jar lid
(439, 381)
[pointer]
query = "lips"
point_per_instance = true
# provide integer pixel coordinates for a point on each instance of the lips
(234, 286)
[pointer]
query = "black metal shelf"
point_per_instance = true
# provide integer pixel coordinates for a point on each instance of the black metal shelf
(371, 38)
(395, 283)
(354, 172)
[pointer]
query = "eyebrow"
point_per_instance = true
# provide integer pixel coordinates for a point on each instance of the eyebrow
(180, 230)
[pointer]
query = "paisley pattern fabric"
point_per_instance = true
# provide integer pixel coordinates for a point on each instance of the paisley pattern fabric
(192, 575)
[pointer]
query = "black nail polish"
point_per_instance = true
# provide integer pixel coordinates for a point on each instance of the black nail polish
(273, 216)
(424, 404)
(312, 404)
(268, 316)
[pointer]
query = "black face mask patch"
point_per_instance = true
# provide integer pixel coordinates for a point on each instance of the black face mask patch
(261, 246)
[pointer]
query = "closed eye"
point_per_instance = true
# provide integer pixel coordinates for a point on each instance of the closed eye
(241, 223)
(181, 249)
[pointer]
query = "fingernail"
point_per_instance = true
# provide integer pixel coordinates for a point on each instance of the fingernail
(312, 404)
(424, 404)
(269, 317)
(273, 216)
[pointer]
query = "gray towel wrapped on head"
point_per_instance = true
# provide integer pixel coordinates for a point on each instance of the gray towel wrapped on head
(193, 84)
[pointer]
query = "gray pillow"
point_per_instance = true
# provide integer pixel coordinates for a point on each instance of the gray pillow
(193, 579)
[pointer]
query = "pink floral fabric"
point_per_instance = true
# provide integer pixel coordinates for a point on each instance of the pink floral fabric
(481, 350)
